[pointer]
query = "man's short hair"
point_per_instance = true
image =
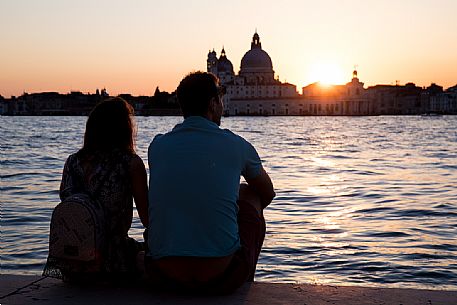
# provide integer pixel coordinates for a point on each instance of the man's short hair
(195, 92)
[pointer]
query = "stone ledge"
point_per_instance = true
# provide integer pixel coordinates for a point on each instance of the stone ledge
(26, 289)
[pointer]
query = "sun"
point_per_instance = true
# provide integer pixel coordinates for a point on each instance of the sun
(327, 73)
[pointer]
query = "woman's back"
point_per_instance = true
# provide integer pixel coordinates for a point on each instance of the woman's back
(107, 169)
(106, 178)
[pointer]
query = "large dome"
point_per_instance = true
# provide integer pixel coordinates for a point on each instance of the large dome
(256, 60)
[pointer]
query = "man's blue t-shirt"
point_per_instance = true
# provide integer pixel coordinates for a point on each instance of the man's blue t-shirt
(193, 188)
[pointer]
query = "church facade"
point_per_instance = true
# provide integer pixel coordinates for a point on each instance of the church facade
(254, 91)
(348, 99)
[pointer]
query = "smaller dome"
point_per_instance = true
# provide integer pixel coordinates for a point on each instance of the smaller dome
(224, 64)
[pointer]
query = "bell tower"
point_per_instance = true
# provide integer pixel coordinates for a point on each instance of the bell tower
(211, 62)
(354, 73)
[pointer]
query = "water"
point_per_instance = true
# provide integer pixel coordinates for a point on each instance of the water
(360, 200)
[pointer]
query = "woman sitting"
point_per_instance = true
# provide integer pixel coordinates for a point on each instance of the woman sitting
(109, 171)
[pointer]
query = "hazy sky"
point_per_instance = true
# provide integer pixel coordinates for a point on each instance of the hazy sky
(134, 46)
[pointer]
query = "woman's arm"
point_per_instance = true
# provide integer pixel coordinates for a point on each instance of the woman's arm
(138, 177)
(68, 186)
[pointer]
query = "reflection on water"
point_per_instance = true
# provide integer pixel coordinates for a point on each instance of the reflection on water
(360, 200)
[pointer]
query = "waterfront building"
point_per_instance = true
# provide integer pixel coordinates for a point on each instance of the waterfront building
(51, 103)
(452, 90)
(452, 94)
(407, 99)
(444, 102)
(3, 105)
(399, 100)
(348, 99)
(254, 91)
(18, 106)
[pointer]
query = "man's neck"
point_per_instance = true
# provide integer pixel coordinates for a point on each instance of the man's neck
(209, 118)
(213, 118)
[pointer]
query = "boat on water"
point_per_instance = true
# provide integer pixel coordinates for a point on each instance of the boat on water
(432, 113)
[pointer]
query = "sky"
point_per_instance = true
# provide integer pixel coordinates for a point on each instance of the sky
(134, 46)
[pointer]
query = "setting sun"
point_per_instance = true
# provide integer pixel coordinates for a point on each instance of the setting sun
(328, 73)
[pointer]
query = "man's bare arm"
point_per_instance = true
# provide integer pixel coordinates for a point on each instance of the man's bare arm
(263, 186)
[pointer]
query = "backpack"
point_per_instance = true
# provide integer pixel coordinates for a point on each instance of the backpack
(77, 235)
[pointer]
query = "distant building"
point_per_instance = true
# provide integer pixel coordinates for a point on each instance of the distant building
(452, 90)
(349, 99)
(444, 102)
(3, 105)
(398, 100)
(78, 103)
(254, 91)
(18, 106)
(51, 103)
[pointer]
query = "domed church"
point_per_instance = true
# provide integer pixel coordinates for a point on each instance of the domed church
(221, 67)
(256, 65)
(254, 91)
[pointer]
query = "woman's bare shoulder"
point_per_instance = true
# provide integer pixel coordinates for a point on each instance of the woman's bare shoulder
(136, 163)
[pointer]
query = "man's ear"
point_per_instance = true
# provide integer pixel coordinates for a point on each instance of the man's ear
(212, 104)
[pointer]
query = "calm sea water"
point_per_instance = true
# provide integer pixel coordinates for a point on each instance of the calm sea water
(360, 200)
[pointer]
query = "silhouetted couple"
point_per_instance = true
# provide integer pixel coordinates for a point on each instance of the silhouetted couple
(204, 231)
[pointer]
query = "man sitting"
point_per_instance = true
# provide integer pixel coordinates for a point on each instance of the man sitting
(205, 229)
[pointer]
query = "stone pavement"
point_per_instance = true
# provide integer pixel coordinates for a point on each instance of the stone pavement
(26, 289)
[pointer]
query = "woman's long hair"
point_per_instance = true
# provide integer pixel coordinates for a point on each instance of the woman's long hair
(109, 127)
